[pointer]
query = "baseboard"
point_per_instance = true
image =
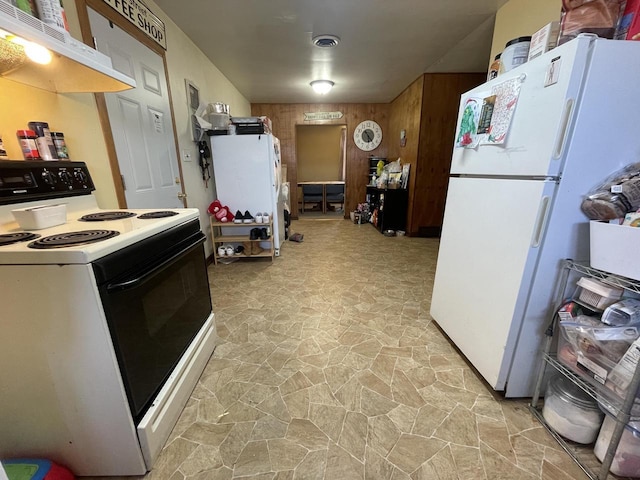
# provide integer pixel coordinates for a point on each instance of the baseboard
(429, 232)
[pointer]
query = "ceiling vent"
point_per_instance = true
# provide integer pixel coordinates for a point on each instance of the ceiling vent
(326, 41)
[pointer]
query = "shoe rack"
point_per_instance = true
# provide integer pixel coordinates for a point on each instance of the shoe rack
(235, 234)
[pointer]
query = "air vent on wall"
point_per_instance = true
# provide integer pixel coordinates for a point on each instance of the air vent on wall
(326, 41)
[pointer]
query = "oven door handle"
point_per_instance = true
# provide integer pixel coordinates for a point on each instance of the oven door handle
(130, 283)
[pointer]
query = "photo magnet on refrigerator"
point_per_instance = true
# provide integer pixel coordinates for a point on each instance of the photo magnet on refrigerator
(553, 72)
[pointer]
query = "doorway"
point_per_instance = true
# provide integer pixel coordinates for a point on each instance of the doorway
(141, 120)
(321, 170)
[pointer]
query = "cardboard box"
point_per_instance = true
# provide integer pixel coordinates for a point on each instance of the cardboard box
(544, 40)
(629, 24)
(614, 248)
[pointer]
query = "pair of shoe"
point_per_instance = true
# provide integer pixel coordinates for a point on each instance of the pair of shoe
(243, 217)
(225, 251)
(258, 234)
(262, 217)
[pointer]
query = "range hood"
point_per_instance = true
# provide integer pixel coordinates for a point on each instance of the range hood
(75, 67)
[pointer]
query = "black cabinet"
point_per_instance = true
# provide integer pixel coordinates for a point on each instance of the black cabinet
(391, 206)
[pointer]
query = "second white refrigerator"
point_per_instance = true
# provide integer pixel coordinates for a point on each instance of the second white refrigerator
(247, 174)
(513, 210)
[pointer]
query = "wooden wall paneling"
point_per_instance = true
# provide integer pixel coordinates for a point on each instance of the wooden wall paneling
(285, 117)
(405, 114)
(441, 98)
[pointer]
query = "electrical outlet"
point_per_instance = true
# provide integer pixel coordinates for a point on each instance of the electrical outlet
(186, 156)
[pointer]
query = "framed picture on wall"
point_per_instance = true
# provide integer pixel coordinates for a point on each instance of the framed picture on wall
(193, 101)
(193, 95)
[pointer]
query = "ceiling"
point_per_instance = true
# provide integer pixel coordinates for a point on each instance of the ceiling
(264, 47)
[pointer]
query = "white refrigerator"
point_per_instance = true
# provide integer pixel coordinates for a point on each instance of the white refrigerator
(247, 174)
(513, 210)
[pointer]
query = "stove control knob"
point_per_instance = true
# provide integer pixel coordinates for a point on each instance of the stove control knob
(49, 178)
(81, 177)
(65, 177)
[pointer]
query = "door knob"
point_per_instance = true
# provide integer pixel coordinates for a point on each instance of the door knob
(182, 196)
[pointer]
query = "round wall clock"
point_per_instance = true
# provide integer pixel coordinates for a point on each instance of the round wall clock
(367, 135)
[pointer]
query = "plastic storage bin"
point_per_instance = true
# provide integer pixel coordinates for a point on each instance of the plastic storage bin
(571, 412)
(597, 294)
(41, 216)
(601, 354)
(626, 461)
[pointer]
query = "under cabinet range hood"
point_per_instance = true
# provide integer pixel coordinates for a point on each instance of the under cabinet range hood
(74, 67)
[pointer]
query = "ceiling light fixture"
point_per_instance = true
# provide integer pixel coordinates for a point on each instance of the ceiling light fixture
(325, 41)
(322, 87)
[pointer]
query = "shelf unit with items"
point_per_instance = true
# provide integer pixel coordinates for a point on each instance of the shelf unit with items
(390, 207)
(593, 379)
(224, 234)
(373, 167)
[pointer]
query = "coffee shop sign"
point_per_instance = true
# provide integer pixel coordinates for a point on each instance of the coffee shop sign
(140, 16)
(322, 116)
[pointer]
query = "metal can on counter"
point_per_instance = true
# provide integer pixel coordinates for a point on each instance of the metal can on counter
(27, 140)
(61, 146)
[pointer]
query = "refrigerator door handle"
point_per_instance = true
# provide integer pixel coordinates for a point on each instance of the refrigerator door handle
(541, 221)
(564, 127)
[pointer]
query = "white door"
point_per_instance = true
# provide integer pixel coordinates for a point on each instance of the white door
(488, 252)
(140, 120)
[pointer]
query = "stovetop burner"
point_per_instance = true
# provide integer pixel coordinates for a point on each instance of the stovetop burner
(71, 239)
(158, 214)
(11, 238)
(104, 216)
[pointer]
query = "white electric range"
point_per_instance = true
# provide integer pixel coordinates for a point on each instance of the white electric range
(119, 229)
(102, 340)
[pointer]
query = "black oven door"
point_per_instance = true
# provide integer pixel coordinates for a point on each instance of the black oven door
(156, 298)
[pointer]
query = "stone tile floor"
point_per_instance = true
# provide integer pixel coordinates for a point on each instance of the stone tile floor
(330, 367)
